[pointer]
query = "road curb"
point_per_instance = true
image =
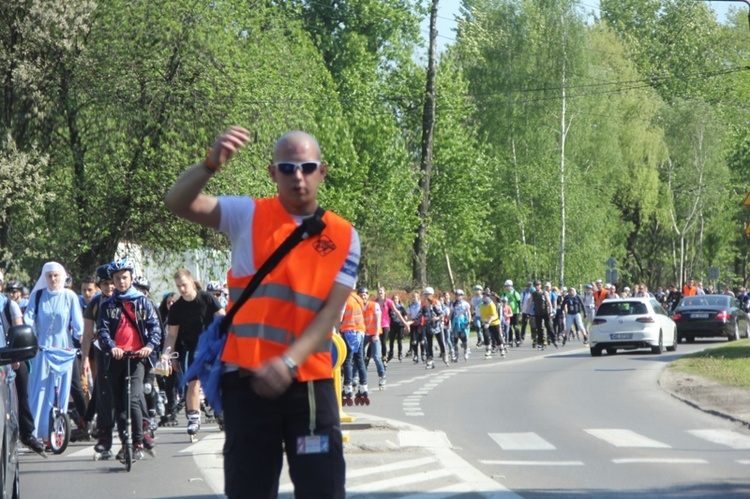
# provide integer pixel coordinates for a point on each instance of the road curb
(693, 390)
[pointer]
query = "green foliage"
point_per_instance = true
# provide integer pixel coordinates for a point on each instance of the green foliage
(631, 130)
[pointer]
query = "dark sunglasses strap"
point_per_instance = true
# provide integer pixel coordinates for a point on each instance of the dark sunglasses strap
(309, 227)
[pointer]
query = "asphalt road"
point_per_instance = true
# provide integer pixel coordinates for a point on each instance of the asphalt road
(557, 423)
(561, 423)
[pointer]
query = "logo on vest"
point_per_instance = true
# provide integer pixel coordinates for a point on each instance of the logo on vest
(324, 245)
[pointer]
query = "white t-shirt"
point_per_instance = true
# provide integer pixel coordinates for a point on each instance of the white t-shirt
(237, 220)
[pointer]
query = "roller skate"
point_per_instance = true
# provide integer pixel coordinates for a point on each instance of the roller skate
(400, 357)
(170, 418)
(362, 398)
(82, 432)
(35, 445)
(429, 364)
(208, 412)
(103, 448)
(194, 424)
(447, 360)
(488, 354)
(381, 383)
(148, 438)
(503, 351)
(346, 396)
(466, 353)
(416, 359)
(220, 421)
(390, 357)
(454, 359)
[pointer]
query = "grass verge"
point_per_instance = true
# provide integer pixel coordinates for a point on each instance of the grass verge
(728, 364)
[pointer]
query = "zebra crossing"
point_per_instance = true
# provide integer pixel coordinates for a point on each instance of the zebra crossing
(618, 438)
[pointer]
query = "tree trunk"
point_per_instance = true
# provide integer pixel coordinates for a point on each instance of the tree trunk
(419, 268)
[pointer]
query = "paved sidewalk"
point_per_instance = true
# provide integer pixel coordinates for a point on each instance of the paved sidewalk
(392, 459)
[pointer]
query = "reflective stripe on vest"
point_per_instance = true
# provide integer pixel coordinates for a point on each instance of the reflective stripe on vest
(281, 292)
(291, 296)
(274, 334)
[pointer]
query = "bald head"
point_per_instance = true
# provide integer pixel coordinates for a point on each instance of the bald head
(296, 144)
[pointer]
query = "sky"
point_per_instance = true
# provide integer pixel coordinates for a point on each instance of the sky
(448, 9)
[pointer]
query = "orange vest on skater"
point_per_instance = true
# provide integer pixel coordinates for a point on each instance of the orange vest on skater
(291, 296)
(353, 318)
(371, 319)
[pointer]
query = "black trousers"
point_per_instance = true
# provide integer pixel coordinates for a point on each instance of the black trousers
(118, 379)
(543, 320)
(258, 430)
(105, 419)
(25, 419)
(395, 334)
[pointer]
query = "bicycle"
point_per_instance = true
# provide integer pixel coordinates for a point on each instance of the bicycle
(59, 361)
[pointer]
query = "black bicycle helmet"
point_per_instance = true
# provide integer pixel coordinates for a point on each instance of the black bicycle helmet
(142, 282)
(13, 285)
(102, 274)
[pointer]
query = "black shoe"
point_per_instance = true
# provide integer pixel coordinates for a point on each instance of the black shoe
(104, 444)
(32, 443)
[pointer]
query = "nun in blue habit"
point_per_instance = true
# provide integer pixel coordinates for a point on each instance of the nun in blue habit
(56, 318)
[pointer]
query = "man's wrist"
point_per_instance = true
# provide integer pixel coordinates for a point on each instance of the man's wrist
(208, 169)
(290, 364)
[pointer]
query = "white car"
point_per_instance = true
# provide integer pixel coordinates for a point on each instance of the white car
(632, 323)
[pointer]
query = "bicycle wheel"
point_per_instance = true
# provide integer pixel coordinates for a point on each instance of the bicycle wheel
(59, 432)
(128, 457)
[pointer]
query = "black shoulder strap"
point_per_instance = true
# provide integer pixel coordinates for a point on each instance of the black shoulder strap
(37, 299)
(6, 310)
(310, 227)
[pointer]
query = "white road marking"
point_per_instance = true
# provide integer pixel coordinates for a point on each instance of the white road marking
(743, 461)
(85, 452)
(530, 463)
(399, 481)
(626, 438)
(386, 468)
(723, 437)
(427, 439)
(658, 460)
(521, 441)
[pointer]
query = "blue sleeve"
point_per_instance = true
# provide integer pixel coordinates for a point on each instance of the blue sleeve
(76, 317)
(103, 328)
(153, 327)
(30, 315)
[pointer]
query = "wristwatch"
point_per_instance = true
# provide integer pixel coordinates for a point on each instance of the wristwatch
(291, 365)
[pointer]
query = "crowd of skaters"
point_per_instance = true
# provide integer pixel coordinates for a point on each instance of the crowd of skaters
(374, 329)
(113, 314)
(441, 323)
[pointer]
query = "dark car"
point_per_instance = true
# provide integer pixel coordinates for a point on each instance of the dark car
(21, 346)
(708, 316)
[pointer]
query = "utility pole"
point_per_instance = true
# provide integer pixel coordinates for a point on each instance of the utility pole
(419, 268)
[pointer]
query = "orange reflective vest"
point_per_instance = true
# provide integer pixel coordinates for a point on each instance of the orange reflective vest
(689, 290)
(371, 318)
(291, 296)
(353, 318)
(599, 296)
